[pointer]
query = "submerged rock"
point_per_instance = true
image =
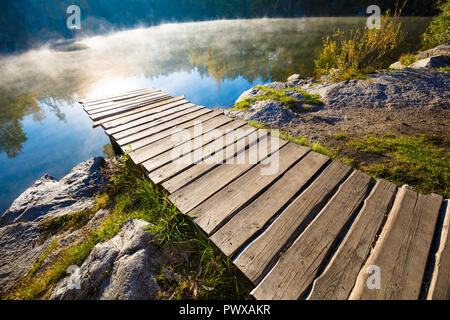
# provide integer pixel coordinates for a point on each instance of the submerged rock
(121, 268)
(48, 197)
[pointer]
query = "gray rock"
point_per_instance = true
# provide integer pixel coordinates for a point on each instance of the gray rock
(19, 249)
(443, 49)
(120, 268)
(295, 77)
(48, 197)
(431, 62)
(251, 93)
(269, 112)
(419, 88)
(397, 66)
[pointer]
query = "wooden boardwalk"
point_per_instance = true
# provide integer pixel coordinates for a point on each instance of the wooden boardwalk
(296, 223)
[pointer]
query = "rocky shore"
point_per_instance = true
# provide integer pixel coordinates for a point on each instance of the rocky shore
(383, 102)
(124, 267)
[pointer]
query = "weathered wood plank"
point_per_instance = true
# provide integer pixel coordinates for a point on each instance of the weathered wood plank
(155, 113)
(247, 222)
(144, 117)
(157, 105)
(168, 164)
(121, 110)
(338, 279)
(402, 250)
(178, 137)
(188, 199)
(210, 216)
(88, 101)
(161, 127)
(123, 103)
(261, 254)
(145, 142)
(186, 113)
(297, 267)
(184, 178)
(440, 281)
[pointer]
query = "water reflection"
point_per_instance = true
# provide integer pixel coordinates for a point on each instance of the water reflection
(43, 129)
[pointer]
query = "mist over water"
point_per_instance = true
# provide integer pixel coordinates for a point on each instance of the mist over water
(44, 130)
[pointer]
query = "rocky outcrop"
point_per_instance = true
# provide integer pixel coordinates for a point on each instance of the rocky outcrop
(418, 88)
(121, 268)
(270, 112)
(20, 235)
(431, 59)
(48, 197)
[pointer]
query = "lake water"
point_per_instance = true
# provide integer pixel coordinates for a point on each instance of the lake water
(44, 130)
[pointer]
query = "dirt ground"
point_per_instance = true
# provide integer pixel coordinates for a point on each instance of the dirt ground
(324, 125)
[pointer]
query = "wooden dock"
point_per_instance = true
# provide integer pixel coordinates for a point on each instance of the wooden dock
(312, 228)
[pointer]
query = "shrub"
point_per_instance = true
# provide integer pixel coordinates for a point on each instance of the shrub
(438, 31)
(361, 51)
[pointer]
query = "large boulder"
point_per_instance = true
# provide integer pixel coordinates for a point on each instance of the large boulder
(417, 88)
(269, 112)
(122, 268)
(431, 62)
(48, 197)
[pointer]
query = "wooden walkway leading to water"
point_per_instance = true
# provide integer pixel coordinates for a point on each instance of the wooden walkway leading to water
(296, 223)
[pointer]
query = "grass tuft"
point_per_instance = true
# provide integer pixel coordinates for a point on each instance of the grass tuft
(281, 97)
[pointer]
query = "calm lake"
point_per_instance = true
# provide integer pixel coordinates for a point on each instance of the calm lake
(44, 130)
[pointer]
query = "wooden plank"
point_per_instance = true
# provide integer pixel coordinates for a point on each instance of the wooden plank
(121, 110)
(402, 250)
(247, 222)
(156, 113)
(115, 96)
(189, 198)
(178, 137)
(295, 270)
(189, 175)
(188, 112)
(256, 260)
(440, 281)
(210, 216)
(199, 145)
(161, 127)
(338, 279)
(184, 162)
(123, 103)
(142, 143)
(167, 103)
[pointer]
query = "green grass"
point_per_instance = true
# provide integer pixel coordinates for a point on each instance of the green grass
(131, 195)
(282, 97)
(414, 160)
(315, 146)
(444, 69)
(408, 59)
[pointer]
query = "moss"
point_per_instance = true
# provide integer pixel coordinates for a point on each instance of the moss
(282, 97)
(414, 160)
